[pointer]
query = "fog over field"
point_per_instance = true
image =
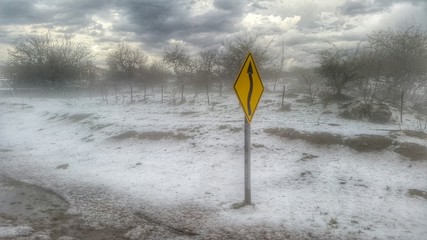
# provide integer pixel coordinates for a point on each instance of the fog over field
(213, 119)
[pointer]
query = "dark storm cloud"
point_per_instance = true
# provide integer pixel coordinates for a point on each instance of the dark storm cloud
(357, 7)
(258, 6)
(158, 16)
(152, 24)
(89, 5)
(68, 17)
(61, 13)
(28, 12)
(228, 5)
(159, 21)
(20, 12)
(360, 7)
(78, 13)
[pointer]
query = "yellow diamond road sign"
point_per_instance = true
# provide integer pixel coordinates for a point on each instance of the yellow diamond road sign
(249, 87)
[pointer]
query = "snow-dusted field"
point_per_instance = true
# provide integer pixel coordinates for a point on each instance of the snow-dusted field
(182, 165)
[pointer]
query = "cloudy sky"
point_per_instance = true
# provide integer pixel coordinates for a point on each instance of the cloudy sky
(302, 25)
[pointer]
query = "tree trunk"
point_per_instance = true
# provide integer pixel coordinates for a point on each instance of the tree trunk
(162, 91)
(115, 91)
(310, 93)
(192, 80)
(207, 90)
(145, 89)
(104, 95)
(374, 91)
(131, 91)
(283, 95)
(275, 84)
(182, 91)
(339, 90)
(401, 107)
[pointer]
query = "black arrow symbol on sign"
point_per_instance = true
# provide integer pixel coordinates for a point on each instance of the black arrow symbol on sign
(251, 86)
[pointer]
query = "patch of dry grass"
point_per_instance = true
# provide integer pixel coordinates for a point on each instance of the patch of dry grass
(321, 138)
(412, 151)
(365, 142)
(417, 193)
(125, 135)
(361, 143)
(79, 116)
(151, 135)
(100, 126)
(416, 134)
(230, 128)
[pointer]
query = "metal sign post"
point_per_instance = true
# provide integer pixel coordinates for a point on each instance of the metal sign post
(247, 162)
(249, 89)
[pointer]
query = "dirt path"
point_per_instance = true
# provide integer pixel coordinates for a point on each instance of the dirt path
(31, 212)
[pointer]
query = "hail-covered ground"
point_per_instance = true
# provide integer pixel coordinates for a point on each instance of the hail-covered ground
(180, 167)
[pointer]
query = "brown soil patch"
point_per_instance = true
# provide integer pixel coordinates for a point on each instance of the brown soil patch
(161, 135)
(322, 138)
(361, 143)
(416, 134)
(285, 107)
(79, 116)
(413, 151)
(307, 156)
(230, 128)
(126, 135)
(365, 143)
(417, 193)
(100, 126)
(152, 135)
(304, 100)
(188, 113)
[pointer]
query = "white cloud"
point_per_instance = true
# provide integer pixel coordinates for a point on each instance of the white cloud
(402, 12)
(272, 23)
(328, 18)
(201, 7)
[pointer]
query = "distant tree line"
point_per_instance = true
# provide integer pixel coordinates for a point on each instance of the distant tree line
(43, 61)
(392, 63)
(52, 63)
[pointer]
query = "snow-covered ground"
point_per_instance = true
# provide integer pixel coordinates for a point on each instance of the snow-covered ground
(183, 165)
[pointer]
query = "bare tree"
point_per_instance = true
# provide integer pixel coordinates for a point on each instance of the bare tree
(312, 81)
(177, 58)
(370, 74)
(403, 54)
(90, 75)
(143, 76)
(233, 52)
(339, 67)
(207, 60)
(123, 63)
(44, 61)
(157, 74)
(192, 68)
(279, 70)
